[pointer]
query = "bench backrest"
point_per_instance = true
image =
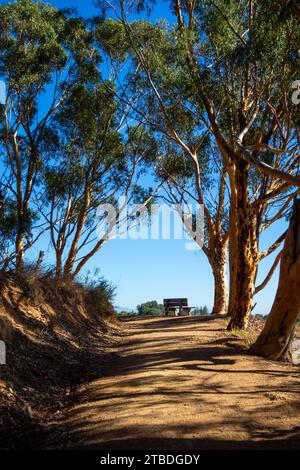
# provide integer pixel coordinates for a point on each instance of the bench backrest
(175, 303)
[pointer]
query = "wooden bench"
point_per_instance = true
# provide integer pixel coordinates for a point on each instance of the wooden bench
(177, 306)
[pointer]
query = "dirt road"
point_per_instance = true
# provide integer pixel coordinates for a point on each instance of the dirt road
(184, 383)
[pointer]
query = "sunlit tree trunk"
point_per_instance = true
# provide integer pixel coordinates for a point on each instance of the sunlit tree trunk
(275, 339)
(243, 241)
(70, 261)
(19, 247)
(19, 241)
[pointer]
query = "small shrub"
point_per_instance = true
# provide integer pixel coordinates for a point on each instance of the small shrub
(151, 308)
(99, 294)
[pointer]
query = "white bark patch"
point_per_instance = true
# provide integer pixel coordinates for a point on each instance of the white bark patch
(2, 353)
(295, 351)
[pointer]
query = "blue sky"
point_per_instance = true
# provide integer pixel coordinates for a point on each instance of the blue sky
(2, 92)
(153, 269)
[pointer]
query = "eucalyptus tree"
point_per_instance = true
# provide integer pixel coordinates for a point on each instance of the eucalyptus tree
(95, 163)
(202, 181)
(177, 173)
(251, 60)
(278, 333)
(238, 62)
(43, 51)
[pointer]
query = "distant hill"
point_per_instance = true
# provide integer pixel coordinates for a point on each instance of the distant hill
(124, 309)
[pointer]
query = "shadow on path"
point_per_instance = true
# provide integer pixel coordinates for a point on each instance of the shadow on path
(182, 384)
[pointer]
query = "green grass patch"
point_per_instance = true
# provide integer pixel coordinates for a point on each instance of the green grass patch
(240, 333)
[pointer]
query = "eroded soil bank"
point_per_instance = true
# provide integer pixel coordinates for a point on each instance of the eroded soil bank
(58, 335)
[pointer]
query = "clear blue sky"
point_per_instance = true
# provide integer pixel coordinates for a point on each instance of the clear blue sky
(153, 269)
(2, 92)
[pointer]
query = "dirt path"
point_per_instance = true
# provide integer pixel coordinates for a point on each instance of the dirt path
(180, 383)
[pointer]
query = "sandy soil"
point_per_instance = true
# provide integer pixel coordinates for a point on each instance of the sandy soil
(184, 384)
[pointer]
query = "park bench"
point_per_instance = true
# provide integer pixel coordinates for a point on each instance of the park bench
(178, 306)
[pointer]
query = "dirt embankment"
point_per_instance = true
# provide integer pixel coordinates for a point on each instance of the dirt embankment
(57, 336)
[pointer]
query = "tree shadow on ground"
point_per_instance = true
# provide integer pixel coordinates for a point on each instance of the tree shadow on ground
(148, 379)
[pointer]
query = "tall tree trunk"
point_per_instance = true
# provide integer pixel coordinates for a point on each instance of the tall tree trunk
(71, 258)
(19, 242)
(59, 264)
(243, 241)
(275, 339)
(19, 247)
(219, 267)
